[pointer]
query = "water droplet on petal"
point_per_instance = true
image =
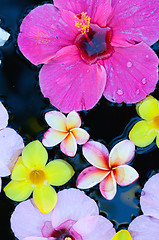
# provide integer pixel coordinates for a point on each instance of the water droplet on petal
(120, 92)
(144, 81)
(137, 91)
(147, 56)
(142, 193)
(129, 64)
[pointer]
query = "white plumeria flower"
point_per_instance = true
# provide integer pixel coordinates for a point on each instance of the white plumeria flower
(64, 130)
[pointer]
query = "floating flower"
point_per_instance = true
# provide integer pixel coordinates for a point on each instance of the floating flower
(93, 48)
(11, 145)
(31, 175)
(122, 235)
(75, 217)
(145, 131)
(108, 170)
(64, 130)
(147, 226)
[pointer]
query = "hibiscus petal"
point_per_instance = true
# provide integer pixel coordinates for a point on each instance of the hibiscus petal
(44, 31)
(94, 9)
(73, 120)
(96, 154)
(18, 190)
(53, 137)
(144, 227)
(27, 220)
(149, 199)
(90, 176)
(34, 155)
(69, 146)
(148, 108)
(142, 134)
(80, 135)
(36, 238)
(122, 153)
(125, 175)
(3, 116)
(77, 205)
(45, 198)
(108, 187)
(134, 21)
(132, 73)
(66, 81)
(56, 120)
(121, 235)
(94, 227)
(58, 172)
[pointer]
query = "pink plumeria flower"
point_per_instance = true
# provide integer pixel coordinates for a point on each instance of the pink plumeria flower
(64, 130)
(108, 169)
(90, 48)
(11, 145)
(75, 217)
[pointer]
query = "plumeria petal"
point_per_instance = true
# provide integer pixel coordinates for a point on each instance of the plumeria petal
(20, 172)
(149, 199)
(77, 205)
(122, 153)
(73, 120)
(0, 184)
(56, 120)
(108, 187)
(144, 227)
(94, 9)
(80, 135)
(69, 146)
(46, 37)
(142, 134)
(27, 220)
(61, 86)
(94, 227)
(53, 137)
(157, 140)
(125, 175)
(45, 198)
(3, 36)
(134, 21)
(3, 116)
(18, 190)
(129, 79)
(96, 154)
(58, 172)
(34, 155)
(148, 108)
(90, 176)
(36, 238)
(122, 235)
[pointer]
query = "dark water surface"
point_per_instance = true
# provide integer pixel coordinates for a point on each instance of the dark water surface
(106, 122)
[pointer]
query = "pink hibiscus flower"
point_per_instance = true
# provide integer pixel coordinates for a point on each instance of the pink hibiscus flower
(108, 170)
(65, 131)
(75, 217)
(11, 145)
(93, 47)
(147, 226)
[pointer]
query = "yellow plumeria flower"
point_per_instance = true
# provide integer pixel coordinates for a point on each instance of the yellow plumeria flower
(145, 131)
(31, 174)
(122, 235)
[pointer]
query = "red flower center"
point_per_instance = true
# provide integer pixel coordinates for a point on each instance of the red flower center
(62, 234)
(95, 44)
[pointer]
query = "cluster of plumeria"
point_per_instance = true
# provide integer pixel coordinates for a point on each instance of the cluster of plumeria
(86, 52)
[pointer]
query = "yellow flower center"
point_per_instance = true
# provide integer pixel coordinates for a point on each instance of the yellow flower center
(37, 177)
(67, 238)
(156, 122)
(83, 22)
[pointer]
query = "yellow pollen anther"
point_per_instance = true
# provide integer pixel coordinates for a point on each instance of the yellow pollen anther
(37, 177)
(83, 22)
(68, 238)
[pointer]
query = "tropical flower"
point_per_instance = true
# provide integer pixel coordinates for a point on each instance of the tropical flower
(64, 130)
(11, 145)
(75, 216)
(122, 235)
(145, 131)
(147, 226)
(108, 170)
(3, 36)
(93, 48)
(31, 175)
